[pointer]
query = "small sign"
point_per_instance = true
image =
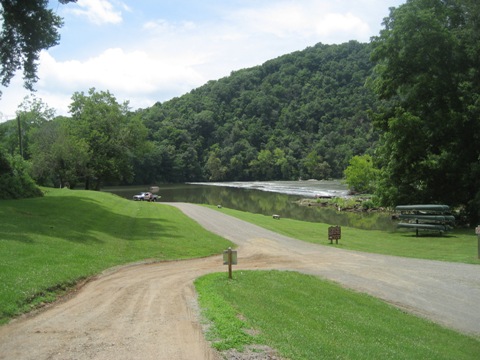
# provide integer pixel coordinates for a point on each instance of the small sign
(477, 230)
(334, 233)
(234, 257)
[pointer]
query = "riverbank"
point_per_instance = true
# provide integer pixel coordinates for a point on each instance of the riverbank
(354, 204)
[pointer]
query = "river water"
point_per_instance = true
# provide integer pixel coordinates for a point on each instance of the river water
(268, 198)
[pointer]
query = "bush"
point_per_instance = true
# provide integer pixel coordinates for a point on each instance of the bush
(15, 181)
(361, 175)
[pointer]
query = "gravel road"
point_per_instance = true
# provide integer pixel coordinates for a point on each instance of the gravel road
(149, 311)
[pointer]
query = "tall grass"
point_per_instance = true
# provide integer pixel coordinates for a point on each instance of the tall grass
(303, 317)
(456, 246)
(47, 244)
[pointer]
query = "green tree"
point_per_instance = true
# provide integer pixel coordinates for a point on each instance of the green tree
(15, 180)
(428, 74)
(58, 158)
(27, 28)
(32, 113)
(315, 166)
(113, 138)
(214, 165)
(15, 134)
(263, 167)
(361, 175)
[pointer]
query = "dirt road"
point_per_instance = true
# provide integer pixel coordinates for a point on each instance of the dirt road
(149, 311)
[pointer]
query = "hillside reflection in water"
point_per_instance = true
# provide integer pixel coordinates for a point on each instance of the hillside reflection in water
(264, 202)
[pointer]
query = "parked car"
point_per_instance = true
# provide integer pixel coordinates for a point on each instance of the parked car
(145, 196)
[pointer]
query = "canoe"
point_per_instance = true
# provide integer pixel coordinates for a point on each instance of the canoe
(421, 217)
(436, 227)
(433, 207)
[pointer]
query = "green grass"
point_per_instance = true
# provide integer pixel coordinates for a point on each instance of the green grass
(457, 246)
(48, 244)
(303, 317)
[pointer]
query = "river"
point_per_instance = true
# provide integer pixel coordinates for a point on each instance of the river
(268, 198)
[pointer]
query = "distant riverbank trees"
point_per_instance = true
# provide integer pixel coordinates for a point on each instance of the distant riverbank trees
(97, 145)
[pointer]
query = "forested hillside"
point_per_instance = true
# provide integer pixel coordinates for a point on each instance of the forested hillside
(302, 115)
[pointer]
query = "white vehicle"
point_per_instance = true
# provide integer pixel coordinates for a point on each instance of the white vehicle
(145, 196)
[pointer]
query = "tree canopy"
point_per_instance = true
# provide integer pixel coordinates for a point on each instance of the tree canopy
(28, 27)
(361, 175)
(428, 68)
(110, 137)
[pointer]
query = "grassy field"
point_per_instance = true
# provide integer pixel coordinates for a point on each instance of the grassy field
(306, 318)
(457, 246)
(48, 244)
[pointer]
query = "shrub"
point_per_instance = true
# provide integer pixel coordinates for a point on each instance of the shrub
(15, 181)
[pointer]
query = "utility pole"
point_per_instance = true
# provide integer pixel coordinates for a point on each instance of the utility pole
(20, 141)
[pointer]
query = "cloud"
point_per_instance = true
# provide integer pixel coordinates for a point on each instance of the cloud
(135, 71)
(99, 11)
(131, 75)
(311, 20)
(162, 26)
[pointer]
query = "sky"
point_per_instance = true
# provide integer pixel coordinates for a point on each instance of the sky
(148, 51)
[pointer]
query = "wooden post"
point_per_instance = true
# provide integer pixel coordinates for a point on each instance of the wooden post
(229, 258)
(229, 262)
(477, 231)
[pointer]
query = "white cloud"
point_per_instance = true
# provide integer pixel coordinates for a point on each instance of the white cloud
(287, 20)
(98, 11)
(128, 75)
(135, 71)
(342, 23)
(162, 26)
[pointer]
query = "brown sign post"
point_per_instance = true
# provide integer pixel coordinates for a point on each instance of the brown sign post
(477, 231)
(229, 258)
(334, 233)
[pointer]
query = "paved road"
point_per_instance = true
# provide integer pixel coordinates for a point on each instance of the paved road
(447, 293)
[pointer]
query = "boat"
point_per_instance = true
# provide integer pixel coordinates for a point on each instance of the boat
(435, 227)
(440, 218)
(431, 207)
(430, 217)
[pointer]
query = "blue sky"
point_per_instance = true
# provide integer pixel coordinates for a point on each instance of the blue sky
(146, 51)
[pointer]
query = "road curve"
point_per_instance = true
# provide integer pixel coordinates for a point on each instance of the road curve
(447, 293)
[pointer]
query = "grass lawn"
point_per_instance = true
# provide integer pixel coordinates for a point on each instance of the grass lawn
(304, 317)
(457, 246)
(48, 244)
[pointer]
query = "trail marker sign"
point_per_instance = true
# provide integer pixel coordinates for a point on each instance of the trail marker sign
(230, 258)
